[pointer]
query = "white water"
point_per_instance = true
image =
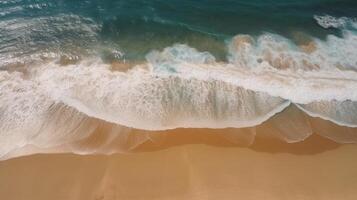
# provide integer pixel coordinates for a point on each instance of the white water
(50, 105)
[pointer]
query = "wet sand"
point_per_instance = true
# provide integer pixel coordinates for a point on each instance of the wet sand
(189, 166)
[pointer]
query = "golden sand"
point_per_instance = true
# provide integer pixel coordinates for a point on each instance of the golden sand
(189, 164)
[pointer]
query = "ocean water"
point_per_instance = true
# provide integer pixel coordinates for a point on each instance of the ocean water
(69, 68)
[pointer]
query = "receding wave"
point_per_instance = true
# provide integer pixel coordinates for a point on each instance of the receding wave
(27, 39)
(268, 81)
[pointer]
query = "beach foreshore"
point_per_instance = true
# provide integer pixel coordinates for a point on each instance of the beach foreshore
(189, 165)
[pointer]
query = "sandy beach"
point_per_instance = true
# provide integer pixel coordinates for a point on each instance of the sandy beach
(186, 166)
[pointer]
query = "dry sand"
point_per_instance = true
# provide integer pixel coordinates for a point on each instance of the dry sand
(189, 166)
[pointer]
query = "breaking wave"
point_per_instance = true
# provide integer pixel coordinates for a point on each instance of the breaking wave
(268, 80)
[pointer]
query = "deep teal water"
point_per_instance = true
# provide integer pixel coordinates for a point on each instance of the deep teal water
(138, 26)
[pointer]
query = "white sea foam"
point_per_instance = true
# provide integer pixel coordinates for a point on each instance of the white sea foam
(327, 21)
(52, 105)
